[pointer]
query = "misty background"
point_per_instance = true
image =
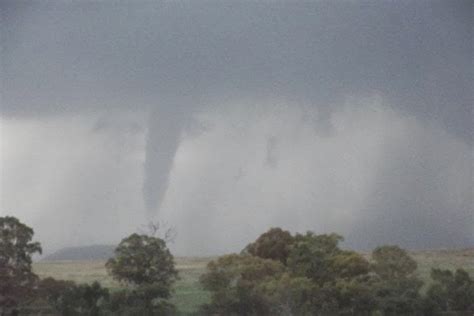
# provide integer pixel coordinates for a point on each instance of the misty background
(223, 119)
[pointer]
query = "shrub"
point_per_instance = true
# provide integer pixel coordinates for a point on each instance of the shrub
(68, 298)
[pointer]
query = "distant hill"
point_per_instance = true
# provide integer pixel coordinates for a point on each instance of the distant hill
(94, 252)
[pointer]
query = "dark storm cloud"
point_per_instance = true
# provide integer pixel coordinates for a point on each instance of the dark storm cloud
(61, 55)
(170, 60)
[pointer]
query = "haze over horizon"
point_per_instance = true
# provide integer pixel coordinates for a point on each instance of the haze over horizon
(225, 119)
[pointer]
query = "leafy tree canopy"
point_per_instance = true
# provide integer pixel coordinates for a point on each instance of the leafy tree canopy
(312, 256)
(16, 251)
(274, 244)
(393, 262)
(450, 291)
(68, 298)
(234, 281)
(142, 260)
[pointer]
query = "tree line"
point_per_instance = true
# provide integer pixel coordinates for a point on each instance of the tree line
(277, 274)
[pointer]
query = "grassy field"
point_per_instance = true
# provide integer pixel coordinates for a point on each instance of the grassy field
(443, 259)
(188, 295)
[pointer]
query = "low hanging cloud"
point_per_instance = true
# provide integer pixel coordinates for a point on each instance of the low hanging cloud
(376, 176)
(76, 180)
(226, 118)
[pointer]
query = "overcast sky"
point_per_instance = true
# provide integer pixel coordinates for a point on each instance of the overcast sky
(223, 119)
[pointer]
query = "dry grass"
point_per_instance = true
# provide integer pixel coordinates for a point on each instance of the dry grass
(91, 270)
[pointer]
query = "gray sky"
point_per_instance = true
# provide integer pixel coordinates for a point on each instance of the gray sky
(226, 118)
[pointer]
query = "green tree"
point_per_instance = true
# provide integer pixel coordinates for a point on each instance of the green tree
(70, 299)
(314, 277)
(290, 295)
(312, 256)
(142, 259)
(393, 262)
(17, 280)
(147, 266)
(354, 296)
(309, 274)
(234, 281)
(341, 276)
(348, 264)
(399, 296)
(398, 289)
(274, 244)
(450, 292)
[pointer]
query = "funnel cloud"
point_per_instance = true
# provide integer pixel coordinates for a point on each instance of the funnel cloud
(224, 119)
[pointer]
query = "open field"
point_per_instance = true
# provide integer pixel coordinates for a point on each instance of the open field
(188, 295)
(444, 259)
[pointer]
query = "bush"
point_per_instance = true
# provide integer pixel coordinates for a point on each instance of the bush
(67, 298)
(146, 300)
